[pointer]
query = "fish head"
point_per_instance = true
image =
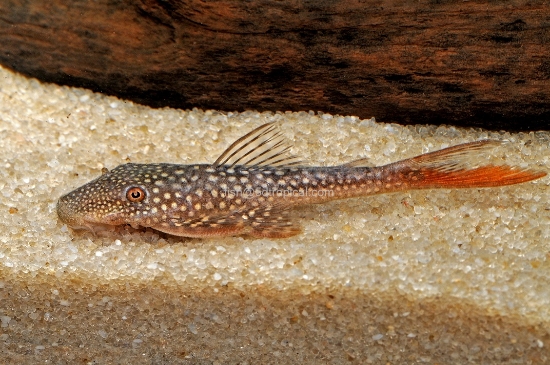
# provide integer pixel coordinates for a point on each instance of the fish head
(120, 196)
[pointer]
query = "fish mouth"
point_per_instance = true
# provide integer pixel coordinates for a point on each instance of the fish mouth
(91, 224)
(110, 219)
(97, 229)
(77, 220)
(66, 214)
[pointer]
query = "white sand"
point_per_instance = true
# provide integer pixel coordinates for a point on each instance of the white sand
(429, 276)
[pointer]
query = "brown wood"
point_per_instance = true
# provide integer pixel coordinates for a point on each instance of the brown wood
(477, 63)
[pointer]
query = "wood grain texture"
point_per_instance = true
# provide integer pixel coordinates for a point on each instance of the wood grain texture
(475, 63)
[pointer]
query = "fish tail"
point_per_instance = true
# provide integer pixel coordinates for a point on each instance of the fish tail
(459, 167)
(480, 177)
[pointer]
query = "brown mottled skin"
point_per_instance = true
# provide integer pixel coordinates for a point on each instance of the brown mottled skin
(221, 200)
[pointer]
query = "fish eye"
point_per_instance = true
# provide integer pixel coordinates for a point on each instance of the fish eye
(135, 194)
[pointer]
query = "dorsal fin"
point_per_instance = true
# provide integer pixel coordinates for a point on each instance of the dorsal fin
(264, 146)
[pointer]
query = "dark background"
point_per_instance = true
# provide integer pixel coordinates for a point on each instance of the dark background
(476, 63)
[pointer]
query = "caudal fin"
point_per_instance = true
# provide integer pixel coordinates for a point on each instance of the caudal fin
(459, 167)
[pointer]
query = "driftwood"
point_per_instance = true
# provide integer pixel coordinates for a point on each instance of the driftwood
(476, 63)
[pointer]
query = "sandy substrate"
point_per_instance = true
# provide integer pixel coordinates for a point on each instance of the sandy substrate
(438, 276)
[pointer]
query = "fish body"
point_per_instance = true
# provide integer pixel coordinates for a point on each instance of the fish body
(254, 184)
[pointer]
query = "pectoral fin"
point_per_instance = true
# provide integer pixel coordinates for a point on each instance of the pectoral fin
(273, 222)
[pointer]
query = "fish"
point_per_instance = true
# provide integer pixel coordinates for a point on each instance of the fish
(251, 189)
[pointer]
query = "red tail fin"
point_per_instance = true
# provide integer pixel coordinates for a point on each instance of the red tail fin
(480, 177)
(456, 167)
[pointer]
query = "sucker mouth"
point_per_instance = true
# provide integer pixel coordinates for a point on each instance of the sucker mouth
(95, 228)
(64, 214)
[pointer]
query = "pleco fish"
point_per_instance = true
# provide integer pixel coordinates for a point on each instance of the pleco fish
(251, 187)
